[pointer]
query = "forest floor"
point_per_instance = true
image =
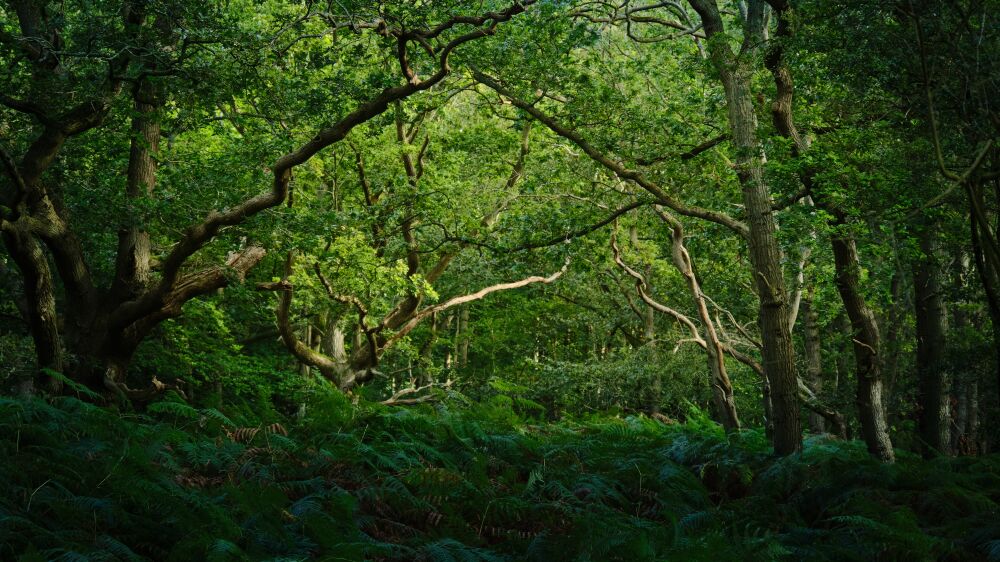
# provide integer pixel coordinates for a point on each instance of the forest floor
(464, 482)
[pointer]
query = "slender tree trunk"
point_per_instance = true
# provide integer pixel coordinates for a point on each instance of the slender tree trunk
(653, 393)
(845, 347)
(722, 387)
(426, 353)
(814, 358)
(649, 341)
(865, 337)
(991, 287)
(894, 321)
(964, 387)
(464, 336)
(954, 433)
(972, 421)
(930, 328)
(765, 255)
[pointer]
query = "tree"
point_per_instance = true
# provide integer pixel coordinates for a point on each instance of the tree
(103, 325)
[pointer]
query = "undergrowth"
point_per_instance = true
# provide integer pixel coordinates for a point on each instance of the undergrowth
(464, 483)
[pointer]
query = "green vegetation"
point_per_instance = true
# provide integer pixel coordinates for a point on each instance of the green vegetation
(500, 279)
(457, 483)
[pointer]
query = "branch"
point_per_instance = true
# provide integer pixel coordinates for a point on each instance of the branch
(743, 332)
(517, 7)
(698, 149)
(813, 402)
(516, 173)
(328, 367)
(978, 161)
(641, 287)
(26, 107)
(198, 235)
(662, 196)
(195, 284)
(399, 398)
(790, 200)
(480, 294)
(10, 167)
(583, 231)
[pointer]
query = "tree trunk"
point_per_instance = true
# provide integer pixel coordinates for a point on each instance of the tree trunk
(722, 387)
(307, 340)
(654, 392)
(894, 322)
(972, 420)
(991, 287)
(132, 269)
(930, 329)
(765, 255)
(463, 337)
(40, 299)
(844, 350)
(649, 340)
(865, 337)
(814, 359)
(954, 427)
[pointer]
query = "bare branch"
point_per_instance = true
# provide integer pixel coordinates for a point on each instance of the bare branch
(480, 294)
(405, 397)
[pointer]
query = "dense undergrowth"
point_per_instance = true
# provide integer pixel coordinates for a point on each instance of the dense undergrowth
(464, 482)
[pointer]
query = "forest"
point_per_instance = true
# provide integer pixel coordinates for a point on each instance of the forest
(500, 280)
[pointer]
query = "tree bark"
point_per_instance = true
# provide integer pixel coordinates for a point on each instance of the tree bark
(991, 287)
(722, 387)
(765, 255)
(930, 331)
(464, 336)
(40, 299)
(132, 271)
(814, 358)
(865, 337)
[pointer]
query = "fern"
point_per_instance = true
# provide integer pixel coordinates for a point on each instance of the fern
(463, 483)
(449, 550)
(176, 409)
(79, 389)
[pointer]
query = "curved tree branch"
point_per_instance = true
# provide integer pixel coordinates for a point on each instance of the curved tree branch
(620, 170)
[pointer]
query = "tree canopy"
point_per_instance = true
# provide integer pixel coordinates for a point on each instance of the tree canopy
(776, 223)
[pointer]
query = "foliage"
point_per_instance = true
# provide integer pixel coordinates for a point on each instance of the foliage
(459, 483)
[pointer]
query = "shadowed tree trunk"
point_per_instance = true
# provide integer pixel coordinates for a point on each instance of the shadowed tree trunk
(864, 328)
(132, 271)
(865, 337)
(814, 358)
(930, 331)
